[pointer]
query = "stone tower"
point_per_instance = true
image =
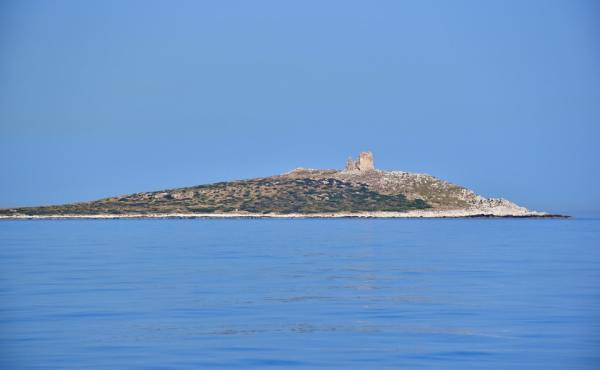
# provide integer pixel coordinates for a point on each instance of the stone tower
(364, 162)
(350, 164)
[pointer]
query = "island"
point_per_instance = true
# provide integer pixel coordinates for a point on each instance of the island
(358, 190)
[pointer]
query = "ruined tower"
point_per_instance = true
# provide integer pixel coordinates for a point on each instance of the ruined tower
(350, 164)
(364, 162)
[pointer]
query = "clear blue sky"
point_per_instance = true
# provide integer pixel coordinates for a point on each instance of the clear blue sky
(99, 98)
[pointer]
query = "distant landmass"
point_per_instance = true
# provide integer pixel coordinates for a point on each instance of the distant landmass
(359, 190)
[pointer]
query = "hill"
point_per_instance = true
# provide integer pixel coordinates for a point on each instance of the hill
(358, 190)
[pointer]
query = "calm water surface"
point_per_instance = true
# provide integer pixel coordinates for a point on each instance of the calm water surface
(306, 294)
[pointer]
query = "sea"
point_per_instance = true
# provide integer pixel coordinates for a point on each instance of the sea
(300, 294)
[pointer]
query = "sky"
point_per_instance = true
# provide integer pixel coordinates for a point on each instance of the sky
(101, 98)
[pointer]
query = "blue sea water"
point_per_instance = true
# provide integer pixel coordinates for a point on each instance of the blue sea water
(304, 294)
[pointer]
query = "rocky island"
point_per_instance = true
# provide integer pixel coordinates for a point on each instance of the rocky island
(359, 190)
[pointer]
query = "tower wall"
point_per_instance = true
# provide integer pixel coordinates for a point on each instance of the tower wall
(365, 161)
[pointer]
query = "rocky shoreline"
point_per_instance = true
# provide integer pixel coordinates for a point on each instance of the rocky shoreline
(400, 215)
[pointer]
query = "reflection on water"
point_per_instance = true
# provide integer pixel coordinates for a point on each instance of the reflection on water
(335, 294)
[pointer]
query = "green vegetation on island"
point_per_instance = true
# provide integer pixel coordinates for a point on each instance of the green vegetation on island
(357, 190)
(265, 195)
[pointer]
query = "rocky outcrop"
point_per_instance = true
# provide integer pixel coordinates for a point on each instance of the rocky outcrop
(444, 198)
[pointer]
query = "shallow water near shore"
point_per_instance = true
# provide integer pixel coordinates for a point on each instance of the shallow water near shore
(304, 293)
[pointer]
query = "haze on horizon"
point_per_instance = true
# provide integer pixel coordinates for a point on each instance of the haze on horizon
(106, 98)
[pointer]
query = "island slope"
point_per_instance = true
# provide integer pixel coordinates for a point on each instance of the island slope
(357, 191)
